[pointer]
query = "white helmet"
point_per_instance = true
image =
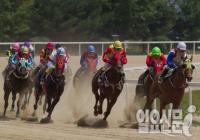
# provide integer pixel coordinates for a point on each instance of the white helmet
(61, 51)
(182, 46)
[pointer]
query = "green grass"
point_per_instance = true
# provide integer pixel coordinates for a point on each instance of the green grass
(195, 123)
(195, 102)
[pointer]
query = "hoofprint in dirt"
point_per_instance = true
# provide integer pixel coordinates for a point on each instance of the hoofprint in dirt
(63, 126)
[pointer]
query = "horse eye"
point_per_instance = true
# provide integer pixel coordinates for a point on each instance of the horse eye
(193, 67)
(184, 66)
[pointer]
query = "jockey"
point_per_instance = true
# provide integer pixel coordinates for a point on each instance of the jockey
(175, 57)
(90, 53)
(14, 49)
(151, 60)
(46, 52)
(52, 61)
(44, 57)
(23, 53)
(30, 47)
(108, 56)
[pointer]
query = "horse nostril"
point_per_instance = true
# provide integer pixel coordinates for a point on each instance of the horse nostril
(189, 78)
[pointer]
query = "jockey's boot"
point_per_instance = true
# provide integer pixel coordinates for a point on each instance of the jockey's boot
(162, 75)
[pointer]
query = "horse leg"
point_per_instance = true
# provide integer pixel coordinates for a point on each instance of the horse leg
(110, 104)
(101, 99)
(25, 101)
(29, 95)
(151, 96)
(55, 101)
(49, 100)
(19, 104)
(174, 107)
(45, 104)
(36, 102)
(95, 91)
(6, 97)
(13, 102)
(40, 100)
(162, 107)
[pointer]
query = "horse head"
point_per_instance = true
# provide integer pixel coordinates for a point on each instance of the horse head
(22, 67)
(187, 68)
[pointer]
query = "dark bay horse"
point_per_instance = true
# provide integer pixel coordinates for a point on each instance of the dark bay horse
(172, 89)
(113, 77)
(18, 83)
(53, 88)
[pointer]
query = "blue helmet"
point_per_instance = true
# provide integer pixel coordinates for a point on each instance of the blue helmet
(61, 51)
(91, 48)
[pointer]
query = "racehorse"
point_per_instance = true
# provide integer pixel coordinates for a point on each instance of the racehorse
(84, 74)
(18, 83)
(113, 77)
(53, 88)
(142, 87)
(172, 89)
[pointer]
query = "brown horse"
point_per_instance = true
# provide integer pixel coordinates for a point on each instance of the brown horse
(113, 77)
(172, 89)
(53, 88)
(18, 83)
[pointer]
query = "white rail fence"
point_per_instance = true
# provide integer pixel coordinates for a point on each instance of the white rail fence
(132, 47)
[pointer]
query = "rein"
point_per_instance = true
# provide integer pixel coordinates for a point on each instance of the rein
(172, 84)
(20, 77)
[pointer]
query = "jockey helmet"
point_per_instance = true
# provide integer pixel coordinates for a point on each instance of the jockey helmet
(117, 45)
(57, 46)
(49, 46)
(90, 49)
(24, 50)
(27, 43)
(61, 51)
(155, 51)
(182, 46)
(15, 46)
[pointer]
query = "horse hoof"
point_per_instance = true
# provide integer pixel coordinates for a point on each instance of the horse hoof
(45, 120)
(32, 119)
(12, 110)
(17, 115)
(33, 114)
(95, 113)
(23, 107)
(104, 118)
(100, 111)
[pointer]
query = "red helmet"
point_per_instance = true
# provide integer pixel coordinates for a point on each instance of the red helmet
(49, 45)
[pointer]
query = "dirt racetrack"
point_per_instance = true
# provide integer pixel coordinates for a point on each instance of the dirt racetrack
(63, 126)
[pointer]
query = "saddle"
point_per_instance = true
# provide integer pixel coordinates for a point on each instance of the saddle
(103, 81)
(169, 73)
